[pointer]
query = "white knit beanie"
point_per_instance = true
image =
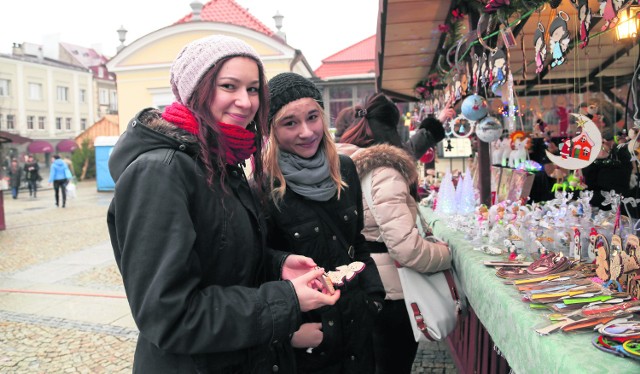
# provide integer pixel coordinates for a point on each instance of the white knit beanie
(197, 57)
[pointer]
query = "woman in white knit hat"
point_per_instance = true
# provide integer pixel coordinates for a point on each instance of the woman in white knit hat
(187, 233)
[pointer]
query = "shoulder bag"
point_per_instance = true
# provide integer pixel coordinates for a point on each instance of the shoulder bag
(434, 301)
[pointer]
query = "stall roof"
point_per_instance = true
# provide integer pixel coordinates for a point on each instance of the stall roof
(409, 41)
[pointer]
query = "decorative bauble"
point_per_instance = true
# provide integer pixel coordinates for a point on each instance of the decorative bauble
(428, 156)
(496, 88)
(474, 107)
(489, 129)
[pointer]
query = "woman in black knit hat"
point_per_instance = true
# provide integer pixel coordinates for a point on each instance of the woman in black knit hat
(315, 210)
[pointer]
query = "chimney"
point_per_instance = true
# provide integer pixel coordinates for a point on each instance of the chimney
(17, 49)
(196, 8)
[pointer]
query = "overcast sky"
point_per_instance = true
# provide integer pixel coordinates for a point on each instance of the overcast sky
(319, 28)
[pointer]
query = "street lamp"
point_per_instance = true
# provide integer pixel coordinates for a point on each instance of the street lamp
(278, 18)
(122, 34)
(629, 23)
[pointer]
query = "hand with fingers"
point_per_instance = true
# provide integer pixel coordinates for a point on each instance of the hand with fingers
(307, 287)
(309, 335)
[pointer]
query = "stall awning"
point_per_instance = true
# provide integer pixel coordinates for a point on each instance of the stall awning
(66, 145)
(40, 146)
(7, 137)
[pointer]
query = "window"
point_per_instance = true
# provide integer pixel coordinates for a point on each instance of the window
(62, 93)
(4, 87)
(68, 123)
(341, 97)
(41, 123)
(103, 96)
(83, 96)
(30, 121)
(83, 123)
(35, 91)
(11, 121)
(113, 104)
(58, 123)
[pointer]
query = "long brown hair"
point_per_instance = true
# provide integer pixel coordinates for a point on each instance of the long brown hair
(277, 183)
(212, 149)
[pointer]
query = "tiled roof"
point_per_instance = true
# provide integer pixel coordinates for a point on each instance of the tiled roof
(228, 11)
(356, 59)
(86, 57)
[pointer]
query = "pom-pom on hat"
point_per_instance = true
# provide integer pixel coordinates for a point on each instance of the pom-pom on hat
(287, 87)
(197, 57)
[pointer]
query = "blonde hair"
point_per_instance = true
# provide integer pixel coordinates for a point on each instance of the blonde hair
(277, 183)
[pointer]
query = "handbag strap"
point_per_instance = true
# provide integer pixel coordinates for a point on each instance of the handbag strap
(365, 185)
(325, 217)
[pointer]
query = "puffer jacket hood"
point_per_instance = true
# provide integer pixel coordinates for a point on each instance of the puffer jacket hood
(385, 156)
(157, 133)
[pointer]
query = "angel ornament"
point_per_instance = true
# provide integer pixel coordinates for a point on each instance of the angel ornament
(559, 38)
(540, 48)
(584, 15)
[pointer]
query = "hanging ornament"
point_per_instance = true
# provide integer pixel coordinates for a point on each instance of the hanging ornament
(484, 70)
(609, 12)
(540, 48)
(498, 63)
(475, 70)
(496, 89)
(474, 107)
(555, 3)
(559, 38)
(581, 150)
(584, 15)
(428, 156)
(489, 129)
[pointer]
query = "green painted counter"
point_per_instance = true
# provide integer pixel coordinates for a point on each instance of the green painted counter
(511, 323)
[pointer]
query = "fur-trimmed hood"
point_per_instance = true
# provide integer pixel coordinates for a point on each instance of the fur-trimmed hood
(384, 155)
(148, 131)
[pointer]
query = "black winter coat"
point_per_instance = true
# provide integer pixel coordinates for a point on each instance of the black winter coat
(297, 227)
(193, 259)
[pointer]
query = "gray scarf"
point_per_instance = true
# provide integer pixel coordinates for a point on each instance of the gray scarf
(308, 177)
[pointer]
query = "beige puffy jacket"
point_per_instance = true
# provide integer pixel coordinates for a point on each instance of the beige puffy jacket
(393, 171)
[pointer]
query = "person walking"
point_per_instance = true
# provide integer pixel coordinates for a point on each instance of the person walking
(315, 210)
(187, 232)
(15, 178)
(59, 176)
(392, 236)
(32, 175)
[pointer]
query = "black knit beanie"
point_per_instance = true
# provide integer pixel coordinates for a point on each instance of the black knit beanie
(287, 87)
(434, 127)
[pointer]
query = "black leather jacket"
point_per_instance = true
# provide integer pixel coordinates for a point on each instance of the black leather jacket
(193, 259)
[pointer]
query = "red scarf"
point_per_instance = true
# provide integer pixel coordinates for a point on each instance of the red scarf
(240, 142)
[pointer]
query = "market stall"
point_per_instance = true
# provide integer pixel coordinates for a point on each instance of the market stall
(512, 323)
(548, 95)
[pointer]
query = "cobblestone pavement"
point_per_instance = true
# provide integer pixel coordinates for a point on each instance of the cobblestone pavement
(62, 306)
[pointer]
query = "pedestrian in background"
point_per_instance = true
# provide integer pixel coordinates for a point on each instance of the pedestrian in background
(32, 175)
(187, 232)
(15, 178)
(392, 236)
(345, 119)
(315, 210)
(59, 175)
